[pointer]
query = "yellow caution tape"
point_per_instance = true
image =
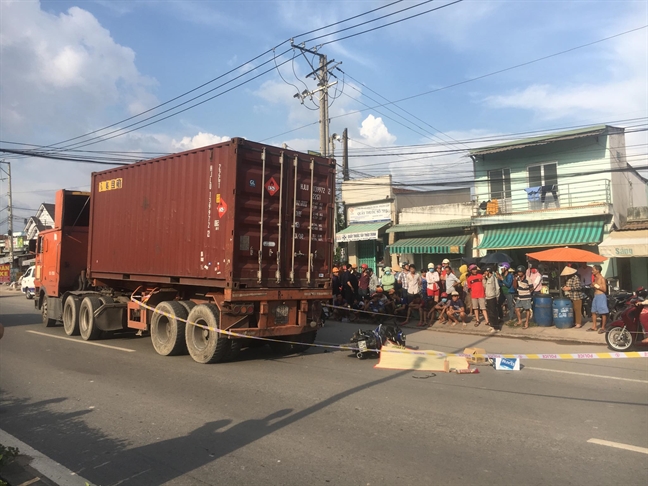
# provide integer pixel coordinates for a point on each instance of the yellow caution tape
(545, 356)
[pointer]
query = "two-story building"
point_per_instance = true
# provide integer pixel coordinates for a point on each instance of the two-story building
(388, 224)
(562, 189)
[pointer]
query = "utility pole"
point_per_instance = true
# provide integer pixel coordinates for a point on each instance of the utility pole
(322, 76)
(345, 155)
(10, 217)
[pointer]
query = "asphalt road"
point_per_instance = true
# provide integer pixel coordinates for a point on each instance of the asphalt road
(122, 415)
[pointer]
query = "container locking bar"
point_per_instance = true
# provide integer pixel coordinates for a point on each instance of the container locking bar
(294, 222)
(263, 166)
(281, 175)
(310, 223)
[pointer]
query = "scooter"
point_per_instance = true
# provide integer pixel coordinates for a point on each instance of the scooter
(619, 300)
(629, 328)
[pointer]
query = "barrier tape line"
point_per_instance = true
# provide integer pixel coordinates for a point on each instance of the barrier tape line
(543, 356)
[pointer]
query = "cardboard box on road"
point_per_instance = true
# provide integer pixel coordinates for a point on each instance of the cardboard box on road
(475, 359)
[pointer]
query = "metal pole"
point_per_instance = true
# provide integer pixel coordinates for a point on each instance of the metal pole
(323, 106)
(345, 155)
(9, 215)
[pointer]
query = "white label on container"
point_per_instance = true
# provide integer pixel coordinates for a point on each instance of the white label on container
(269, 243)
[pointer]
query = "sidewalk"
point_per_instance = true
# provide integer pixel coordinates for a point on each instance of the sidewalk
(34, 468)
(537, 333)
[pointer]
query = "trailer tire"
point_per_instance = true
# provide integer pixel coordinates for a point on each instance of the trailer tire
(168, 331)
(87, 326)
(205, 345)
(45, 315)
(71, 315)
(187, 304)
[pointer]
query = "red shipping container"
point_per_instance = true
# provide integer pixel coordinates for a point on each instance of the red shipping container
(234, 215)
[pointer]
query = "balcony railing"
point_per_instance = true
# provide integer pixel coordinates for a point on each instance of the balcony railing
(552, 197)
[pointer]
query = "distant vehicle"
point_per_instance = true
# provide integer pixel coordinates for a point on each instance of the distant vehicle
(27, 284)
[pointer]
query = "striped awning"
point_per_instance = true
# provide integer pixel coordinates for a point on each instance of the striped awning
(559, 233)
(434, 245)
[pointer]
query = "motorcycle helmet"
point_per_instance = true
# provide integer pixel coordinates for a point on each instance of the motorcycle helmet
(473, 267)
(505, 265)
(521, 268)
(488, 269)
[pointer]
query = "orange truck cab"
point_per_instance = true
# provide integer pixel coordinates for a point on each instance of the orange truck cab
(61, 255)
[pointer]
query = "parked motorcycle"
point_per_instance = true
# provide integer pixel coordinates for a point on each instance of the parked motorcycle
(619, 300)
(629, 328)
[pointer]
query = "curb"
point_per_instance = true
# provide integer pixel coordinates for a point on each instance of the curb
(34, 468)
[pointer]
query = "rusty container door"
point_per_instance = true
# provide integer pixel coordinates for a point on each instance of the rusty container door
(284, 218)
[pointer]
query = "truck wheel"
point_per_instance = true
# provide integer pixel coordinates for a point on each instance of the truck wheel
(187, 304)
(45, 316)
(205, 345)
(87, 326)
(71, 315)
(168, 328)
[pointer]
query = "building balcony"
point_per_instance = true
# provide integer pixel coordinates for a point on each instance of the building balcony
(588, 197)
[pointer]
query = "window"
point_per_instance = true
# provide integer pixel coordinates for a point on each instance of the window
(499, 181)
(544, 177)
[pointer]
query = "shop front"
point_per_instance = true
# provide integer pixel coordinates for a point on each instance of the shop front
(365, 236)
(628, 251)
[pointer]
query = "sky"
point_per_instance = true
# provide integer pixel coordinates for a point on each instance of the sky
(69, 68)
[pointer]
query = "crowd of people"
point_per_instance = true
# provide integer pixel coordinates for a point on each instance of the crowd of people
(492, 294)
(440, 294)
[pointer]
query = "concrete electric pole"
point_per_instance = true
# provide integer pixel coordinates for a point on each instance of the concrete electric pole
(322, 76)
(9, 215)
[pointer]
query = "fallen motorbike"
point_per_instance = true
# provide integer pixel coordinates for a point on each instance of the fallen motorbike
(629, 328)
(370, 342)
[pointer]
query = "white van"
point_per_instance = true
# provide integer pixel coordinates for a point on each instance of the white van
(27, 284)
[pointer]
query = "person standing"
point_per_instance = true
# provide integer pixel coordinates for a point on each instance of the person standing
(535, 279)
(475, 284)
(452, 281)
(432, 278)
(413, 281)
(363, 282)
(373, 281)
(599, 302)
(585, 275)
(507, 288)
(388, 280)
(336, 284)
(442, 276)
(492, 291)
(349, 284)
(573, 290)
(402, 278)
(524, 292)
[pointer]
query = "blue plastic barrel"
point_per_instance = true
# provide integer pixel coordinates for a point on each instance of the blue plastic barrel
(563, 313)
(542, 314)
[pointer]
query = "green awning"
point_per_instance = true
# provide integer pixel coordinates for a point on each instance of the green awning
(360, 232)
(435, 245)
(406, 228)
(547, 233)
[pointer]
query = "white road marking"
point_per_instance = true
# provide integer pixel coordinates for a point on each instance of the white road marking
(585, 374)
(618, 445)
(44, 465)
(83, 342)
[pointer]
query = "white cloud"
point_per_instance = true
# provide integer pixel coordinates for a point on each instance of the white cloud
(200, 140)
(375, 133)
(65, 66)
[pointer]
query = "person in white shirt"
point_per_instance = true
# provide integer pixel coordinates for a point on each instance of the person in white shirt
(414, 284)
(585, 275)
(432, 278)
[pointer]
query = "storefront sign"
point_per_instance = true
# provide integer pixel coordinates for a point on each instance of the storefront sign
(368, 214)
(5, 273)
(361, 236)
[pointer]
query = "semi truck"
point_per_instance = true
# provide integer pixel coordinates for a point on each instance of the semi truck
(234, 237)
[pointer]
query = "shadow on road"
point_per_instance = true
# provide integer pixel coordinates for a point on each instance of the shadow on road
(93, 454)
